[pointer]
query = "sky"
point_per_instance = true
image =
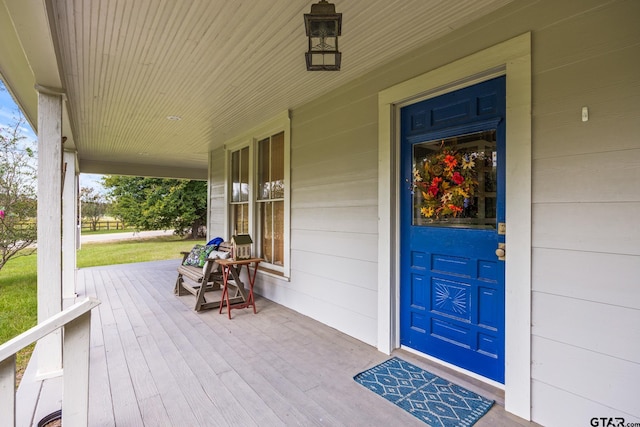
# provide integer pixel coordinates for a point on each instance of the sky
(9, 112)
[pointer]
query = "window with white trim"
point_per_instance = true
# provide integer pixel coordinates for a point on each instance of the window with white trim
(258, 199)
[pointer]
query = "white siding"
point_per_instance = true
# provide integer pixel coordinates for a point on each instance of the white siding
(586, 240)
(610, 279)
(585, 375)
(334, 212)
(217, 209)
(586, 201)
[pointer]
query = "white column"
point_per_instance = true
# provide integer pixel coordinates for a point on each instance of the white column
(49, 228)
(69, 225)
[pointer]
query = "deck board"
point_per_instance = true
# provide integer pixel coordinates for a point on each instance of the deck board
(178, 346)
(156, 362)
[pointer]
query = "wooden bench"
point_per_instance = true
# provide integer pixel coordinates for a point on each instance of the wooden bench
(200, 280)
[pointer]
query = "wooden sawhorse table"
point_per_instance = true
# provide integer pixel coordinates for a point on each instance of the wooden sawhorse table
(233, 267)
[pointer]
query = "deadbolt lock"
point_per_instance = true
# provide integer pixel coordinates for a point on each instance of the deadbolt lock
(502, 228)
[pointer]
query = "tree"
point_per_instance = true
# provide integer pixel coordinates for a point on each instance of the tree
(158, 203)
(18, 178)
(93, 206)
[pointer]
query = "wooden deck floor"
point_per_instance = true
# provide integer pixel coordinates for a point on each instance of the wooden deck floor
(156, 362)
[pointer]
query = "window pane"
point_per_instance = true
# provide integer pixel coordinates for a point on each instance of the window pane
(455, 181)
(235, 176)
(240, 215)
(271, 167)
(240, 175)
(267, 231)
(244, 174)
(278, 233)
(272, 232)
(264, 149)
(277, 166)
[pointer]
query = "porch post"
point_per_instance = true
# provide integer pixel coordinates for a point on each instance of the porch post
(49, 227)
(69, 222)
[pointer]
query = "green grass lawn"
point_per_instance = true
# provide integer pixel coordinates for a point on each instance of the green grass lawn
(133, 250)
(18, 305)
(18, 278)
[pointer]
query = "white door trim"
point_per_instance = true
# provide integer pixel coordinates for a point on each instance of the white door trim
(512, 59)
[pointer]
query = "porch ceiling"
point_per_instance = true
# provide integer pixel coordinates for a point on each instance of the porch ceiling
(221, 66)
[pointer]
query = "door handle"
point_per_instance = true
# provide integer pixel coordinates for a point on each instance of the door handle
(501, 251)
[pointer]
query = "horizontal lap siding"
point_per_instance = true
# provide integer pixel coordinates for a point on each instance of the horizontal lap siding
(217, 206)
(334, 212)
(586, 201)
(583, 177)
(588, 381)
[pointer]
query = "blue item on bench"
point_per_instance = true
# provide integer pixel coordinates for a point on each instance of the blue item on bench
(216, 241)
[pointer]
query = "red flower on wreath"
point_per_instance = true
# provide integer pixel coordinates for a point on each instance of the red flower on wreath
(455, 209)
(433, 188)
(450, 161)
(457, 178)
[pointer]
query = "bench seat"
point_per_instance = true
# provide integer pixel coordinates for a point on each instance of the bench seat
(195, 283)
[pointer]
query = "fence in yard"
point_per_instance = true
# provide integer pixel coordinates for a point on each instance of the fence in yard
(103, 225)
(86, 225)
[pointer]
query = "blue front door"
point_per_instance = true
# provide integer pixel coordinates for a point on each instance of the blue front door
(452, 222)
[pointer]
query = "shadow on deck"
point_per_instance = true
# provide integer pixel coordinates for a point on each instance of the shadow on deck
(156, 362)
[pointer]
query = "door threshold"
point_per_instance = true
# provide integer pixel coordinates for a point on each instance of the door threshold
(478, 384)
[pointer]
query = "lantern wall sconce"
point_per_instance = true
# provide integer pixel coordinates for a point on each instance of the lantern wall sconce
(323, 26)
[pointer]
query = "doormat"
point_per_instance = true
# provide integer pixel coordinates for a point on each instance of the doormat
(434, 400)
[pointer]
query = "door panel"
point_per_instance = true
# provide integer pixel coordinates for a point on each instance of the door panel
(451, 281)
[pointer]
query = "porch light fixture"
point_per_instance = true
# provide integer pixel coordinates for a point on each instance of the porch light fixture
(323, 26)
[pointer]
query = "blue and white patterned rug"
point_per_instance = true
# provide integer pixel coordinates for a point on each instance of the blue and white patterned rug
(434, 400)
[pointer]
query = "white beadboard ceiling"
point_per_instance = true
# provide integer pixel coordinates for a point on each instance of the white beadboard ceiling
(223, 66)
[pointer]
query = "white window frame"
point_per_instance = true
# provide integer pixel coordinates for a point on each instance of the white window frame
(280, 123)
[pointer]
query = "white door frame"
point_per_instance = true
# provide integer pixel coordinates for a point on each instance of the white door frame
(512, 59)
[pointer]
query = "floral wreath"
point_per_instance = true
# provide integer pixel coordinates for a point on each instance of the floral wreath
(447, 180)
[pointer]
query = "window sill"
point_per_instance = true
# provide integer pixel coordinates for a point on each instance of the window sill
(273, 273)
